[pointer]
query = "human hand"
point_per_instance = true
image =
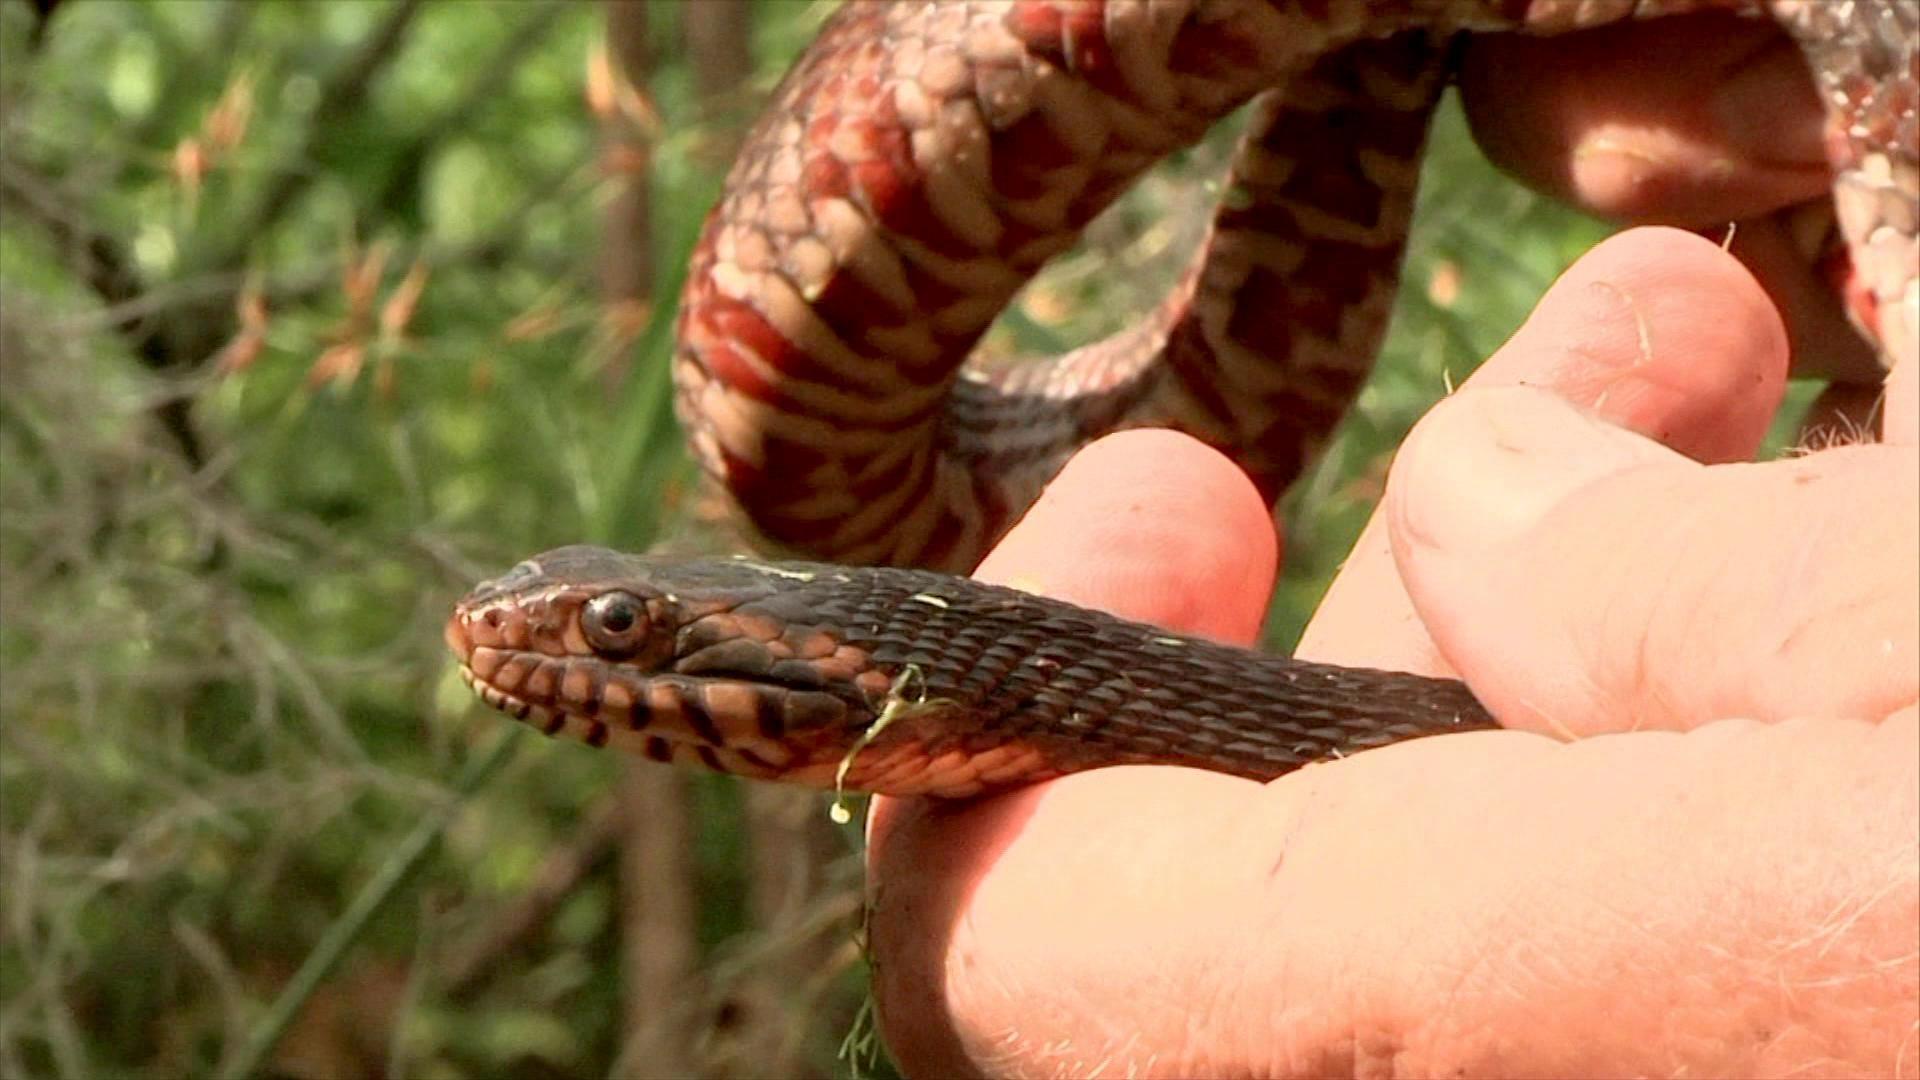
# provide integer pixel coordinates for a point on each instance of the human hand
(1700, 121)
(1717, 896)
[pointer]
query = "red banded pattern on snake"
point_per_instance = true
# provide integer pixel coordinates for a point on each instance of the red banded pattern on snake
(923, 159)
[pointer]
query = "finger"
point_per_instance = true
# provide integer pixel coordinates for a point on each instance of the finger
(1698, 121)
(1656, 330)
(1706, 122)
(1149, 525)
(1584, 579)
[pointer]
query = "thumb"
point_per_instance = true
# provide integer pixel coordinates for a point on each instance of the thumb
(1584, 579)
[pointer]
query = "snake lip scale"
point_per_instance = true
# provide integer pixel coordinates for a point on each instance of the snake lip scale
(901, 682)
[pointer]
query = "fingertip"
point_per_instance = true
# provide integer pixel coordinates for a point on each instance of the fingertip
(1655, 330)
(1662, 332)
(1151, 525)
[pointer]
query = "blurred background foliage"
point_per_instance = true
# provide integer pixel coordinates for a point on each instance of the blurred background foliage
(310, 316)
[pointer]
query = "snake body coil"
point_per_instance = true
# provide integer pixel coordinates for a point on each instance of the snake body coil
(925, 157)
(903, 682)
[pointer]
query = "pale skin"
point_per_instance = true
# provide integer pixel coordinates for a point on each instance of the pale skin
(1695, 850)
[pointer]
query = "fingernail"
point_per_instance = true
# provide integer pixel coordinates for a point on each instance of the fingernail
(1766, 108)
(1486, 465)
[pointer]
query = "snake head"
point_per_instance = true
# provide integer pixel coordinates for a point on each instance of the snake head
(573, 601)
(710, 662)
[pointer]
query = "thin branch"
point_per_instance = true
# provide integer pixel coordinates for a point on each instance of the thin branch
(658, 889)
(626, 167)
(42, 20)
(659, 951)
(719, 41)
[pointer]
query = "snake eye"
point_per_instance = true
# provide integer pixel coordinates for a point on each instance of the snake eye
(614, 622)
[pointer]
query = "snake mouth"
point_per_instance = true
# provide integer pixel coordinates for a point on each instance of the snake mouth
(836, 760)
(732, 726)
(536, 715)
(646, 732)
(831, 760)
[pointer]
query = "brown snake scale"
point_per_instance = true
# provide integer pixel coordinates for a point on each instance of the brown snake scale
(917, 166)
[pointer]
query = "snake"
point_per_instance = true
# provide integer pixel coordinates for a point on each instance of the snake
(901, 681)
(918, 164)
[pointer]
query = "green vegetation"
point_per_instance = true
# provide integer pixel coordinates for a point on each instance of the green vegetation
(300, 335)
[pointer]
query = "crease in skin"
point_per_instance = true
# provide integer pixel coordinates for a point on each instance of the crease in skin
(1648, 703)
(1703, 604)
(1806, 632)
(1647, 656)
(1788, 633)
(1551, 720)
(1802, 570)
(1547, 453)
